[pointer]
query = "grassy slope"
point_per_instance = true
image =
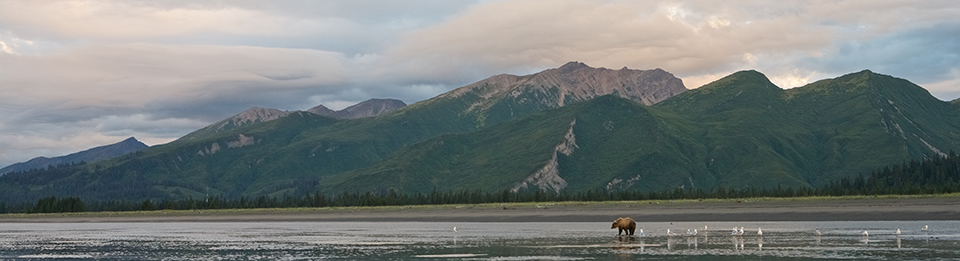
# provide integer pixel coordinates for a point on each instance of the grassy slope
(751, 137)
(738, 132)
(496, 158)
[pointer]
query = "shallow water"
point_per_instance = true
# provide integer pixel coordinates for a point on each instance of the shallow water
(477, 241)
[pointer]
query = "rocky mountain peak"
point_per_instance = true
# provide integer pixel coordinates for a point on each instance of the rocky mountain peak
(576, 81)
(254, 115)
(573, 66)
(322, 111)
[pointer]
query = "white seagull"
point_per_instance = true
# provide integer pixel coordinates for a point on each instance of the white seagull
(759, 232)
(865, 233)
(740, 232)
(818, 232)
(898, 231)
(641, 233)
(455, 230)
(925, 227)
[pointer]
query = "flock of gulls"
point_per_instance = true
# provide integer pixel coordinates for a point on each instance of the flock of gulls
(740, 231)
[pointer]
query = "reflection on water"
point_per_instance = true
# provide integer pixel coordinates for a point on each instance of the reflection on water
(480, 241)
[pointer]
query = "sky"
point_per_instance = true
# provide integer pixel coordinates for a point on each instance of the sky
(80, 74)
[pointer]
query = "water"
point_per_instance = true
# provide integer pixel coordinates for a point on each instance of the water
(476, 241)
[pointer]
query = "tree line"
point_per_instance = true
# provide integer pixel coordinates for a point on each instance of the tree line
(926, 176)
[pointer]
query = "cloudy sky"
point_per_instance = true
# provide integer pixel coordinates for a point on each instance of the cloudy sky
(79, 74)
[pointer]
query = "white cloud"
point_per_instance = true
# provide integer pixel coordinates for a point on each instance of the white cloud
(138, 74)
(6, 49)
(792, 79)
(544, 34)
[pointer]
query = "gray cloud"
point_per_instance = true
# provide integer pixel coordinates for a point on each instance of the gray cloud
(77, 74)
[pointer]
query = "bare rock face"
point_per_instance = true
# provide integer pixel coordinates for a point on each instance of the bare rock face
(251, 116)
(575, 81)
(548, 178)
(368, 108)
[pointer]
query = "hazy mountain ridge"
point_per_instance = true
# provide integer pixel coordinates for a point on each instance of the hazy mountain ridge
(368, 108)
(126, 146)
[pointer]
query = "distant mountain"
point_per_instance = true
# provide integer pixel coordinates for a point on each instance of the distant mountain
(127, 146)
(368, 108)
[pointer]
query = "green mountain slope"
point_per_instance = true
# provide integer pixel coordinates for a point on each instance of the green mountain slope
(598, 136)
(864, 120)
(738, 132)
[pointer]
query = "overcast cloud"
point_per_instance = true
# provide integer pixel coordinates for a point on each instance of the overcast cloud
(79, 74)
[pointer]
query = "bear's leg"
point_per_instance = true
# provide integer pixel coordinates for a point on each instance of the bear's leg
(619, 231)
(631, 230)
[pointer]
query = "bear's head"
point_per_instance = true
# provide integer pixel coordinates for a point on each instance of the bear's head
(616, 223)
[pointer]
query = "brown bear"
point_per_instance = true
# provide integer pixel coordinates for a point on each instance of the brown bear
(624, 224)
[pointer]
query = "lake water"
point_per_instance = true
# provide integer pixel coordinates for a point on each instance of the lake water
(477, 241)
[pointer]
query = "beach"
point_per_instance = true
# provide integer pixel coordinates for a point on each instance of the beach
(760, 209)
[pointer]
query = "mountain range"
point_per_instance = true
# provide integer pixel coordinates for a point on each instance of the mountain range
(569, 129)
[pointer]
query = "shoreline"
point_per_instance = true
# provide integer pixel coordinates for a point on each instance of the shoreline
(865, 208)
